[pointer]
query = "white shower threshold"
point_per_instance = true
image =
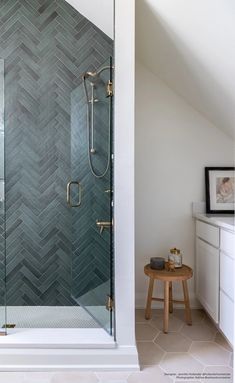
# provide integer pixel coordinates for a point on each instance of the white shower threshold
(57, 338)
(90, 349)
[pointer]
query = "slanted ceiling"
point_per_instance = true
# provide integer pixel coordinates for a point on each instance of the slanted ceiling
(190, 44)
(99, 12)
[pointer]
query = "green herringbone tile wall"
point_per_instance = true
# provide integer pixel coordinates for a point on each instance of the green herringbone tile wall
(46, 46)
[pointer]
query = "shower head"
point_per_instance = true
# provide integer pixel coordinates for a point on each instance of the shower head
(92, 77)
(96, 73)
(90, 74)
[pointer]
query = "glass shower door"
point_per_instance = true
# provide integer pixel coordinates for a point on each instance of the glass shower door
(90, 195)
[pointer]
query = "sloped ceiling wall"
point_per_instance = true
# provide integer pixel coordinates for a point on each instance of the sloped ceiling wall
(190, 44)
(99, 12)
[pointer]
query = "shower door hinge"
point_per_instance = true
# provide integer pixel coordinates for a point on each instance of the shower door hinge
(109, 89)
(109, 303)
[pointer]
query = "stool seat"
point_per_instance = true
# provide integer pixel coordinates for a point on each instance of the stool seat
(181, 274)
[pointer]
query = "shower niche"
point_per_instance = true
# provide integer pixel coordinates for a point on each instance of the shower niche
(56, 183)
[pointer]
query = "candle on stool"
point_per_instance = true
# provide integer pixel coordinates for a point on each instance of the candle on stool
(157, 263)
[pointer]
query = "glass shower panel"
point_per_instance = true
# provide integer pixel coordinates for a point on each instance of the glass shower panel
(92, 285)
(2, 208)
(44, 59)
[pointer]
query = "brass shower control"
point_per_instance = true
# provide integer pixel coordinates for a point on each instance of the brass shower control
(103, 225)
(109, 89)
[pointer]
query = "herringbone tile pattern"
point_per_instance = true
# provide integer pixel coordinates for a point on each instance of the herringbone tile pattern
(91, 251)
(46, 46)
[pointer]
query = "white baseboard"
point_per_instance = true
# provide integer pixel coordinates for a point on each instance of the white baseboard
(121, 358)
(140, 301)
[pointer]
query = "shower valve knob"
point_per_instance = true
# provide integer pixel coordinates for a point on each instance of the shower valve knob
(103, 225)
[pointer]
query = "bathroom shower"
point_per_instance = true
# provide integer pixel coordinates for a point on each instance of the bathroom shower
(95, 81)
(56, 267)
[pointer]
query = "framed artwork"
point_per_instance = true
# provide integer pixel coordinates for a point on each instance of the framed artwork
(220, 190)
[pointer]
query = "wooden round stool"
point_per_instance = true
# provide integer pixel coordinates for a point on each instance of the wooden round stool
(181, 274)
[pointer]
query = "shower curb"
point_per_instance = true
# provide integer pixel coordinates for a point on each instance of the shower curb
(120, 358)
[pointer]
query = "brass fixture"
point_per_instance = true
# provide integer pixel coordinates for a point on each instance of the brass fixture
(69, 200)
(109, 89)
(104, 225)
(9, 325)
(96, 73)
(93, 78)
(109, 303)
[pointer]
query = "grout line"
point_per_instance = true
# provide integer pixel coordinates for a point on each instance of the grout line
(154, 339)
(194, 357)
(215, 336)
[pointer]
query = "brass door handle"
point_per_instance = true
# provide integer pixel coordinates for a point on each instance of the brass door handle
(103, 225)
(69, 199)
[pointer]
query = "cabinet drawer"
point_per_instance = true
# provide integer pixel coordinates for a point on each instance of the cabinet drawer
(208, 232)
(226, 275)
(227, 242)
(226, 322)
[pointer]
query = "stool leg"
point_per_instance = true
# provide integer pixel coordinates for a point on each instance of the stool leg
(170, 298)
(166, 307)
(187, 304)
(149, 299)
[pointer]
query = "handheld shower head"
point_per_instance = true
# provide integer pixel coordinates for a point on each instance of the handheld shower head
(90, 74)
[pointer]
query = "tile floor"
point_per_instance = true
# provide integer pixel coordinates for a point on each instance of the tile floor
(197, 353)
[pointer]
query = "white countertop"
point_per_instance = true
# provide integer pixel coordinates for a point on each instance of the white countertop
(226, 222)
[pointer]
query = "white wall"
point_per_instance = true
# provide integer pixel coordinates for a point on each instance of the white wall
(192, 51)
(99, 12)
(173, 145)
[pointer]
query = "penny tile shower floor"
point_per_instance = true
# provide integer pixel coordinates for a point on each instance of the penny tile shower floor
(191, 354)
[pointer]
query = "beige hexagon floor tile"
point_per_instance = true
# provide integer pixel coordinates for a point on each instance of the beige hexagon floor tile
(210, 353)
(197, 315)
(11, 377)
(188, 381)
(115, 376)
(145, 331)
(157, 312)
(149, 353)
(151, 374)
(112, 381)
(173, 342)
(220, 339)
(209, 322)
(221, 374)
(231, 361)
(140, 316)
(198, 332)
(179, 363)
(37, 377)
(74, 377)
(175, 324)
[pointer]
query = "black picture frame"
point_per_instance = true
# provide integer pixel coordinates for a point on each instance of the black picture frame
(213, 203)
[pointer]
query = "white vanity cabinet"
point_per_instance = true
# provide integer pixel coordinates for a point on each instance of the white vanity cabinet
(207, 267)
(227, 268)
(215, 267)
